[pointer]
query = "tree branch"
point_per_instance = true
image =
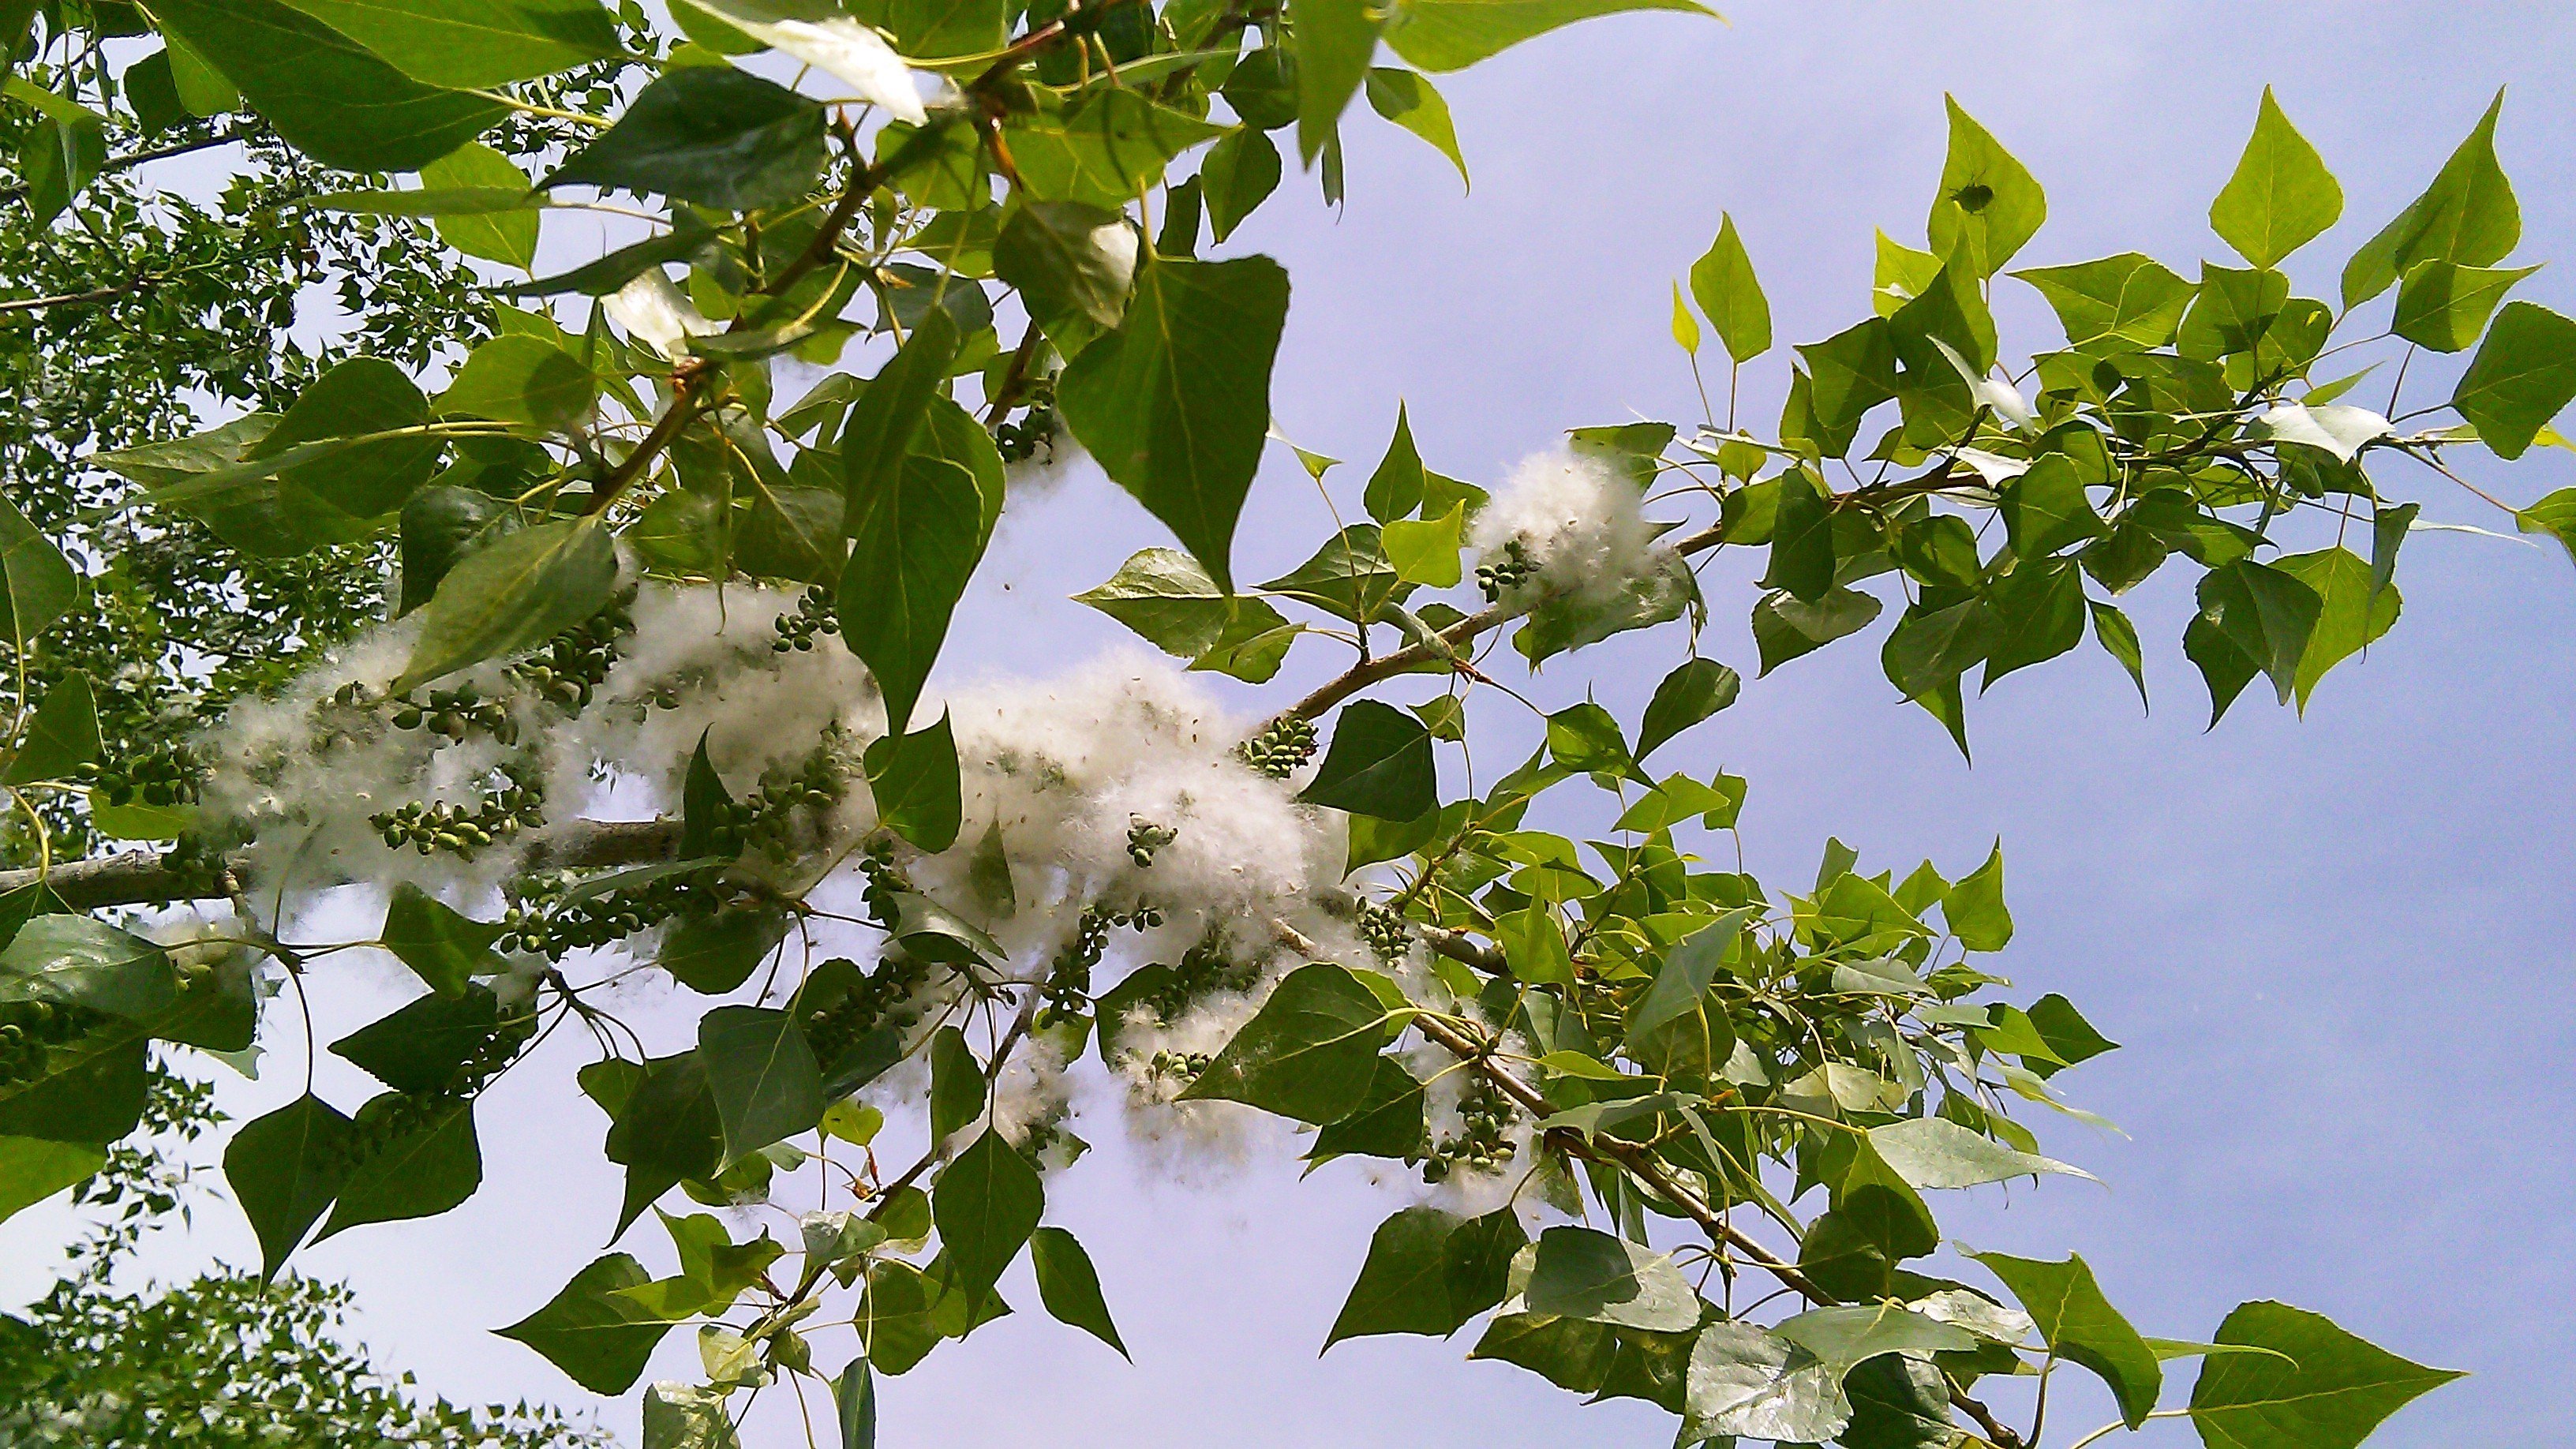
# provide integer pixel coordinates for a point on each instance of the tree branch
(143, 878)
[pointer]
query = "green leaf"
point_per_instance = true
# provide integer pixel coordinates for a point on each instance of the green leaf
(522, 380)
(1534, 945)
(1070, 1286)
(2260, 615)
(1686, 696)
(1380, 764)
(1406, 98)
(665, 1130)
(1989, 204)
(62, 737)
(438, 524)
(1403, 1286)
(32, 1170)
(854, 1397)
(2468, 215)
(688, 240)
(2281, 197)
(1723, 284)
(714, 954)
(2444, 306)
(1688, 970)
(766, 1083)
(1175, 404)
(2318, 1387)
(915, 539)
(1238, 173)
(1348, 576)
(69, 960)
(1165, 596)
(427, 1165)
(1568, 1352)
(2120, 640)
(362, 396)
(1848, 374)
(514, 592)
(59, 157)
(419, 1047)
(1784, 627)
(474, 42)
(1102, 149)
(1580, 1273)
(2351, 615)
(1389, 1122)
(2554, 515)
(1936, 1152)
(329, 96)
(1309, 1053)
(2124, 303)
(505, 234)
(1742, 1382)
(956, 1084)
(713, 135)
(2038, 612)
(1395, 490)
(1973, 907)
(1425, 552)
(37, 584)
(2523, 375)
(442, 947)
(284, 1169)
(1802, 539)
(2047, 508)
(986, 1204)
(1445, 35)
(915, 781)
(593, 1333)
(1068, 260)
(821, 35)
(1335, 40)
(687, 1416)
(90, 1089)
(2081, 1326)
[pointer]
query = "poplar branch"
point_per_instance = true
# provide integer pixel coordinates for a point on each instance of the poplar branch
(143, 878)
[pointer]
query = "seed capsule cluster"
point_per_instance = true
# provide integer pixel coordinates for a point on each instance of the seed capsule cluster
(545, 919)
(1181, 1066)
(1384, 932)
(1479, 1145)
(1032, 435)
(29, 1028)
(1498, 579)
(1202, 971)
(876, 1001)
(766, 818)
(459, 830)
(407, 1113)
(161, 773)
(1284, 745)
(570, 667)
(1144, 837)
(456, 713)
(816, 613)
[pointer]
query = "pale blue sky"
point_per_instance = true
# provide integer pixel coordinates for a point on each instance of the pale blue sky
(2333, 949)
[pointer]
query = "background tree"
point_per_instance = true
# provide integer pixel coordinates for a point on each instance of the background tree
(227, 1359)
(1602, 1031)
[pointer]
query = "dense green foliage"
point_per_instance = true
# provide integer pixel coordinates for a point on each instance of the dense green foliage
(227, 1359)
(1722, 1103)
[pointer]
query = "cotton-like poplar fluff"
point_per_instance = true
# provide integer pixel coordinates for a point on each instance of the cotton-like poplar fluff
(1577, 519)
(1063, 773)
